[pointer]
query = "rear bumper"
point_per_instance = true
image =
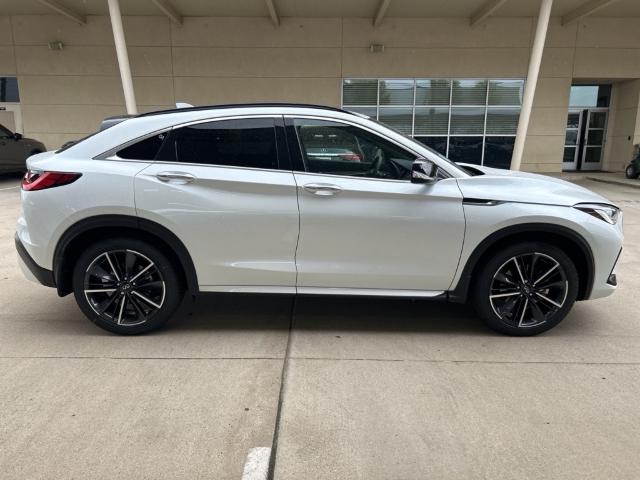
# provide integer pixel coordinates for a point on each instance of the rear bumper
(28, 265)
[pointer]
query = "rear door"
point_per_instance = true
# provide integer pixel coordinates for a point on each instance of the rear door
(11, 151)
(225, 188)
(363, 224)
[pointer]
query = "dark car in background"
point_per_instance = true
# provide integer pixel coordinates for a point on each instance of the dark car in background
(15, 149)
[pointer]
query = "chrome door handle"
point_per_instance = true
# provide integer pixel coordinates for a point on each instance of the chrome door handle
(323, 189)
(175, 177)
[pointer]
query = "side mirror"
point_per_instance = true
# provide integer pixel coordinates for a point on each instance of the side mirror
(424, 171)
(17, 136)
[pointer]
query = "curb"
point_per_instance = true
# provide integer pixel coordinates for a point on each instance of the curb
(614, 182)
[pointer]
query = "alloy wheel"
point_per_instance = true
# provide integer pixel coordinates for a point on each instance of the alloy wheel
(124, 287)
(528, 289)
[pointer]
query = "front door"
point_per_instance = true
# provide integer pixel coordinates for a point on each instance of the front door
(585, 139)
(363, 224)
(221, 187)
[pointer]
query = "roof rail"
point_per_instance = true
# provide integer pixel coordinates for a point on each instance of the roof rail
(240, 105)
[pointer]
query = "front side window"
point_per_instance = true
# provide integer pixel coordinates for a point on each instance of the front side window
(5, 133)
(342, 149)
(249, 142)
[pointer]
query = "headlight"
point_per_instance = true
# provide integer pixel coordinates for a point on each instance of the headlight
(602, 211)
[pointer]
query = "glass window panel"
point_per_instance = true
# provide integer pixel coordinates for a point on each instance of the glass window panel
(505, 92)
(396, 92)
(368, 111)
(569, 154)
(247, 142)
(9, 89)
(502, 120)
(592, 154)
(573, 120)
(604, 95)
(571, 137)
(597, 119)
(146, 149)
(583, 96)
(433, 92)
(432, 120)
(465, 149)
(360, 92)
(469, 92)
(341, 149)
(397, 117)
(439, 144)
(498, 151)
(467, 120)
(595, 137)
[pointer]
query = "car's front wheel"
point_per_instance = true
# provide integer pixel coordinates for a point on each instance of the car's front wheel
(526, 289)
(630, 172)
(126, 286)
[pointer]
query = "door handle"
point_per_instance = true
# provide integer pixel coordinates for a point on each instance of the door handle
(322, 189)
(175, 177)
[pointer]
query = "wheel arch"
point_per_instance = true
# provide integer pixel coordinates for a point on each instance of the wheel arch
(89, 230)
(573, 244)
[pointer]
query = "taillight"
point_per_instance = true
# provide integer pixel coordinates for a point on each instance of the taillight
(36, 180)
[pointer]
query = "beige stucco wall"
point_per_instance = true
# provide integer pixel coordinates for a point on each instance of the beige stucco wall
(64, 94)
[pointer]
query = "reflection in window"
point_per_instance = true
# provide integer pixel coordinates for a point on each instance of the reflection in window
(469, 92)
(433, 92)
(396, 92)
(439, 144)
(505, 92)
(431, 121)
(467, 120)
(497, 151)
(399, 118)
(465, 149)
(360, 92)
(502, 120)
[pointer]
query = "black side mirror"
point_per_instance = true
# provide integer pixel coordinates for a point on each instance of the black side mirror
(424, 171)
(17, 136)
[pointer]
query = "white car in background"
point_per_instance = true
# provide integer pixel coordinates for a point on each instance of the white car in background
(241, 198)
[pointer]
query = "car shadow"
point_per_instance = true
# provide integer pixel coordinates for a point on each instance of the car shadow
(259, 312)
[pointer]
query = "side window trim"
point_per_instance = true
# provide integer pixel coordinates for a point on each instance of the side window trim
(295, 146)
(282, 154)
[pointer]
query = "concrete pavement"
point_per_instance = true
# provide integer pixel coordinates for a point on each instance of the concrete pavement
(371, 389)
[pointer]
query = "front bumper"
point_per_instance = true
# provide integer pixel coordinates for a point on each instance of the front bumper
(29, 266)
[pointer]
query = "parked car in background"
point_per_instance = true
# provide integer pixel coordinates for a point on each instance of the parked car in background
(633, 169)
(15, 149)
(283, 198)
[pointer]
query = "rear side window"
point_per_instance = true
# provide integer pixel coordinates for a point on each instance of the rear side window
(247, 142)
(146, 149)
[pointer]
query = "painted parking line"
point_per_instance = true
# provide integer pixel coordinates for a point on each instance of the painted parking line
(257, 465)
(10, 188)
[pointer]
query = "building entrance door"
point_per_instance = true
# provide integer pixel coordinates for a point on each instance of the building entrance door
(585, 138)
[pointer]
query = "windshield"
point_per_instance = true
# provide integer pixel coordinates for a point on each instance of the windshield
(420, 145)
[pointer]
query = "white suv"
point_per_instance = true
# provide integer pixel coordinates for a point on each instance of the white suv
(281, 198)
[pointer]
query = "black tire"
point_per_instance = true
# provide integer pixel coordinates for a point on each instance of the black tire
(513, 307)
(144, 280)
(630, 172)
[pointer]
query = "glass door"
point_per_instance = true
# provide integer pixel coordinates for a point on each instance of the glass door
(571, 147)
(593, 139)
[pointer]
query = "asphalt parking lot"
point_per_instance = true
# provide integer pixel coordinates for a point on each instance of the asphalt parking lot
(350, 388)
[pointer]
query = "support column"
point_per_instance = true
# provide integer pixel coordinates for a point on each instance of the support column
(123, 58)
(531, 82)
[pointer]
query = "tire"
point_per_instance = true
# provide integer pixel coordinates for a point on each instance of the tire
(630, 172)
(144, 278)
(513, 307)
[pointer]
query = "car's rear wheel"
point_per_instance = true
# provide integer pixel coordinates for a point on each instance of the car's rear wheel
(526, 289)
(126, 286)
(630, 172)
